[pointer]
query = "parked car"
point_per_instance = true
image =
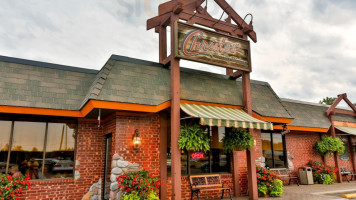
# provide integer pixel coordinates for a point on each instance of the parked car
(62, 165)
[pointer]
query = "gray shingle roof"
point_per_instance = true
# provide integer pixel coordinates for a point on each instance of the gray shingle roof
(122, 79)
(44, 85)
(312, 114)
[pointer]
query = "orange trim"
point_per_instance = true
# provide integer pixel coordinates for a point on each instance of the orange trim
(130, 106)
(210, 104)
(347, 124)
(272, 119)
(302, 128)
(39, 111)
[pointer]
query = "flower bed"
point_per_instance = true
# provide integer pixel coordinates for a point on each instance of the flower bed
(268, 182)
(139, 186)
(12, 187)
(322, 174)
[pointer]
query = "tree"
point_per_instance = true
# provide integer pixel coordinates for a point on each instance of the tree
(328, 100)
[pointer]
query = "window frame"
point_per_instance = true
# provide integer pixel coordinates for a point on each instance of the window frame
(272, 149)
(39, 119)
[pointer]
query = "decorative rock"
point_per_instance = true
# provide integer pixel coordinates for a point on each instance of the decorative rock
(113, 178)
(121, 158)
(121, 163)
(116, 157)
(114, 186)
(133, 165)
(131, 170)
(116, 171)
(76, 175)
(112, 195)
(77, 163)
(95, 191)
(95, 197)
(113, 164)
(118, 195)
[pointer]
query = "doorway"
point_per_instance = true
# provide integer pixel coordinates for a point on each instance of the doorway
(107, 167)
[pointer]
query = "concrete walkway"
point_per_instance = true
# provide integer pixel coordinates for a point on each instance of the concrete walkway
(314, 192)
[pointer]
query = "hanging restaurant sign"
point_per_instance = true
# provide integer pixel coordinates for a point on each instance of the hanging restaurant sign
(201, 45)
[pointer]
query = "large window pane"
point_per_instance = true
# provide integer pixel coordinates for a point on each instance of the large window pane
(59, 160)
(278, 151)
(346, 155)
(27, 148)
(267, 149)
(220, 161)
(5, 131)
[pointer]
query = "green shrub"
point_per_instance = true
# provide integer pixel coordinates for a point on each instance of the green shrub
(262, 189)
(12, 187)
(327, 179)
(328, 145)
(237, 139)
(276, 188)
(193, 138)
(319, 172)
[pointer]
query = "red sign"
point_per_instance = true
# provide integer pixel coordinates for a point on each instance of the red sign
(197, 155)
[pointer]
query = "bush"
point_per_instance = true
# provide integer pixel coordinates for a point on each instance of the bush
(276, 189)
(268, 182)
(319, 172)
(11, 187)
(193, 138)
(328, 145)
(237, 139)
(138, 185)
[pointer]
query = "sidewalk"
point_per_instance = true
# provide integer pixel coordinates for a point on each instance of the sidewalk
(313, 192)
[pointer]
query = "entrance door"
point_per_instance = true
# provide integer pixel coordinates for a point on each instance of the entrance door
(107, 167)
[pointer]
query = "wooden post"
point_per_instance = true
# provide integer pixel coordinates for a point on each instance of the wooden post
(237, 187)
(175, 118)
(336, 155)
(251, 154)
(162, 43)
(352, 153)
(163, 155)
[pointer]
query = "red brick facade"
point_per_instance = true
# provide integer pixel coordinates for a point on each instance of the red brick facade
(90, 152)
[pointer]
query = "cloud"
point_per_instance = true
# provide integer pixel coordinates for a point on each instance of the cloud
(305, 50)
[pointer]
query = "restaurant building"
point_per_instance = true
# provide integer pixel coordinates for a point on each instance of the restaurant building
(59, 114)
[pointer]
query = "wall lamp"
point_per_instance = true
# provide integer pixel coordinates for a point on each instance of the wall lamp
(285, 129)
(136, 140)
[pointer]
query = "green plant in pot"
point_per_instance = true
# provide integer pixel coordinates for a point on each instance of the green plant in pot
(237, 139)
(328, 145)
(193, 138)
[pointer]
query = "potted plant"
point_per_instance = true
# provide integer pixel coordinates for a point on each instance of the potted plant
(268, 183)
(237, 139)
(328, 145)
(193, 138)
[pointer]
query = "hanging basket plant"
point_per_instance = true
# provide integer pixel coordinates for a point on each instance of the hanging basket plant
(328, 145)
(193, 138)
(237, 139)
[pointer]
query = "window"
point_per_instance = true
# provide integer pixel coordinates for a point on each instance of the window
(273, 149)
(42, 150)
(346, 155)
(200, 162)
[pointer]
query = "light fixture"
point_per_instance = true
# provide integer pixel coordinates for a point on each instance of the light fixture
(285, 129)
(136, 140)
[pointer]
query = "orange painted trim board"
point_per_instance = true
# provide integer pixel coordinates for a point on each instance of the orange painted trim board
(301, 128)
(346, 124)
(39, 111)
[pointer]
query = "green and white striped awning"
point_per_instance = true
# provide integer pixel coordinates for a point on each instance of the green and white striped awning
(349, 130)
(222, 116)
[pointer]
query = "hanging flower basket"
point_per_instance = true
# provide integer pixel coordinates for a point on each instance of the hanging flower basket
(193, 138)
(238, 140)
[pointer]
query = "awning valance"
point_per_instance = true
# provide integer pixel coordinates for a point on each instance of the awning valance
(345, 129)
(222, 116)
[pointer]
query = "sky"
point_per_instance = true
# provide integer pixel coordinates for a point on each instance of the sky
(306, 49)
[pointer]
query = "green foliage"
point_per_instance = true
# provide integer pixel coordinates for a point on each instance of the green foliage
(268, 182)
(262, 189)
(322, 174)
(138, 185)
(276, 188)
(328, 100)
(328, 145)
(12, 187)
(193, 138)
(238, 139)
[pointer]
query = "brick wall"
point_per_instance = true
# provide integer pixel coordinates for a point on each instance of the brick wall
(90, 153)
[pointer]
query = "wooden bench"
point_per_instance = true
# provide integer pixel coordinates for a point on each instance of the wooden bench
(208, 182)
(285, 174)
(345, 171)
